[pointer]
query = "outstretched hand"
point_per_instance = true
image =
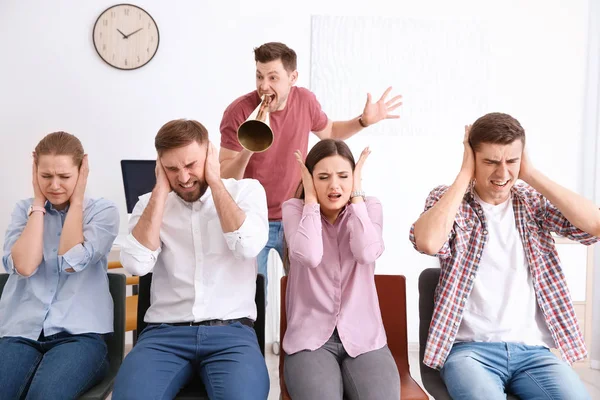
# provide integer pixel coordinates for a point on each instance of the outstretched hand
(380, 110)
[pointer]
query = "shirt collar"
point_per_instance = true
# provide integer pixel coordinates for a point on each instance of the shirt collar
(470, 193)
(190, 204)
(340, 215)
(50, 207)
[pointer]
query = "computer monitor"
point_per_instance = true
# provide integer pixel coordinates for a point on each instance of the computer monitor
(138, 178)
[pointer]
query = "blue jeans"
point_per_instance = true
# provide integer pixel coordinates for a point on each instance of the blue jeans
(478, 370)
(165, 358)
(60, 366)
(275, 242)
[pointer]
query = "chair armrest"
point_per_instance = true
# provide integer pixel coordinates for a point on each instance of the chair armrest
(114, 265)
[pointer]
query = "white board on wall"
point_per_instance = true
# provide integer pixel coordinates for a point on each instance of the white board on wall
(450, 72)
(440, 68)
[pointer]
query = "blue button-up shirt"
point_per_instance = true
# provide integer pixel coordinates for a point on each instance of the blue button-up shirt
(51, 298)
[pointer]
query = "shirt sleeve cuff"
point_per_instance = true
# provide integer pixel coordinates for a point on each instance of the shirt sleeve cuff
(9, 266)
(311, 209)
(232, 238)
(76, 258)
(137, 250)
(249, 239)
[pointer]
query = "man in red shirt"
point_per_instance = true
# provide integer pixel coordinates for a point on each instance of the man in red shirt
(294, 113)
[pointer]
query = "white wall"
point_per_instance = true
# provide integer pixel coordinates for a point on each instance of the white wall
(591, 164)
(52, 79)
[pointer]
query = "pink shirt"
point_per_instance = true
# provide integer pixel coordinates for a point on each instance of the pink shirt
(331, 279)
(276, 169)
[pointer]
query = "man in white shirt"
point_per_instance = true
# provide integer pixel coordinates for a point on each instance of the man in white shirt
(200, 236)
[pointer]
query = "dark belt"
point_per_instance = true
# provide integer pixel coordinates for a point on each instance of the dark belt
(215, 322)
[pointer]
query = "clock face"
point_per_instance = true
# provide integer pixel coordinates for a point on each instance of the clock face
(126, 36)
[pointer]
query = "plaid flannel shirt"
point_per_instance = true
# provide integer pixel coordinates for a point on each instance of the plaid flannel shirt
(459, 259)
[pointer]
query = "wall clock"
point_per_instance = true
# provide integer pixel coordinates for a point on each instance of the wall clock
(126, 36)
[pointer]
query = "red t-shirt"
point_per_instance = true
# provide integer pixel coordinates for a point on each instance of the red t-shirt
(276, 168)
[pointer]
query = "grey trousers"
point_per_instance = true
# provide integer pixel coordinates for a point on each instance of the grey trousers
(329, 373)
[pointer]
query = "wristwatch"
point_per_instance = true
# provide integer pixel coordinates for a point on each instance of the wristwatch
(33, 209)
(358, 193)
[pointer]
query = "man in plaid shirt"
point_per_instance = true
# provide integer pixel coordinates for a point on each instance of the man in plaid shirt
(502, 300)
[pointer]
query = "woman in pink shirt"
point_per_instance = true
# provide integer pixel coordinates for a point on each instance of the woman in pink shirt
(335, 343)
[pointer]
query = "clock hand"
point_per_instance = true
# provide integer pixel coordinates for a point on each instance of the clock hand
(127, 37)
(124, 35)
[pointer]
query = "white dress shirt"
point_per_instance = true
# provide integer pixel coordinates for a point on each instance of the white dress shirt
(199, 272)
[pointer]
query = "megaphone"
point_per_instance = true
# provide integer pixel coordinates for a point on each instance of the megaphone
(255, 134)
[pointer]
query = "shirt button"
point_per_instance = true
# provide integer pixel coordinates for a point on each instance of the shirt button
(485, 232)
(479, 212)
(54, 250)
(58, 234)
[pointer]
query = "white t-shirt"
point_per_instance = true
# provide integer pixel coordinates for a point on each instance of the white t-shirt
(502, 306)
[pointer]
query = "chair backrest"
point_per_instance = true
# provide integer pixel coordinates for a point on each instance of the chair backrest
(391, 291)
(432, 381)
(3, 280)
(259, 325)
(428, 280)
(116, 341)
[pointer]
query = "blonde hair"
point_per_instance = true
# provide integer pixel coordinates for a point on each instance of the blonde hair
(61, 144)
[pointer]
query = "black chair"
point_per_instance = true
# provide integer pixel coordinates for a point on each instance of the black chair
(195, 388)
(114, 342)
(430, 377)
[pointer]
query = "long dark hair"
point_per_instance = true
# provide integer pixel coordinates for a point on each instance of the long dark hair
(323, 149)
